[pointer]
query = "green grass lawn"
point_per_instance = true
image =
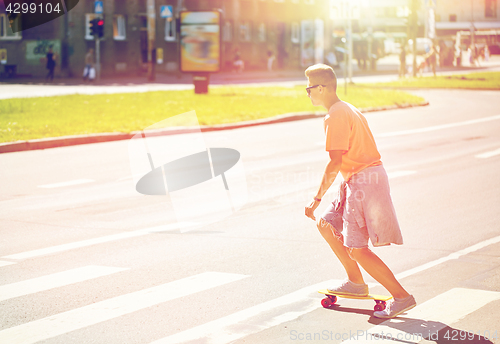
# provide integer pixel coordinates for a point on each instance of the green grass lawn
(479, 81)
(34, 118)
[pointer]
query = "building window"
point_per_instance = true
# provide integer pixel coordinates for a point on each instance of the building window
(389, 12)
(453, 17)
(119, 27)
(227, 32)
(490, 8)
(170, 29)
(245, 31)
(5, 30)
(295, 35)
(261, 32)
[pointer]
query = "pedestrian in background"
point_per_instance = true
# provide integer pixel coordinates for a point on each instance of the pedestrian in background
(363, 210)
(89, 65)
(270, 60)
(402, 61)
(51, 64)
(238, 63)
(432, 59)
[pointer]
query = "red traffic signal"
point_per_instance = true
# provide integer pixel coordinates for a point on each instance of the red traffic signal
(97, 27)
(100, 28)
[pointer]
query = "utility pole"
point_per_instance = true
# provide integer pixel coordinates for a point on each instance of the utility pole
(349, 44)
(472, 30)
(151, 15)
(98, 57)
(177, 18)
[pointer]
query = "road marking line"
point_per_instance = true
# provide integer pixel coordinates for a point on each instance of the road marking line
(428, 318)
(397, 174)
(68, 183)
(5, 263)
(246, 322)
(283, 309)
(451, 256)
(95, 241)
(56, 280)
(438, 127)
(79, 318)
(488, 154)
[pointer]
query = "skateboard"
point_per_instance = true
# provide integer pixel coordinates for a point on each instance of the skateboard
(331, 299)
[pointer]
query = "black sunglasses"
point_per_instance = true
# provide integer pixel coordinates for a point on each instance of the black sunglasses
(308, 89)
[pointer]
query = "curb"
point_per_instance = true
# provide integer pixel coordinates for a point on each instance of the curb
(65, 141)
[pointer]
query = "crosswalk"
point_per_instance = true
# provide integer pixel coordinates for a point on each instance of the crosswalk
(434, 314)
(58, 324)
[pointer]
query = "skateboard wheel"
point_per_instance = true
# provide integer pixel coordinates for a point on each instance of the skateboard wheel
(332, 298)
(380, 305)
(326, 303)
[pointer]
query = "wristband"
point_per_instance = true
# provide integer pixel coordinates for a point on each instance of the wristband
(317, 199)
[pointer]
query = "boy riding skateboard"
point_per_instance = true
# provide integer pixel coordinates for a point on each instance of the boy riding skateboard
(363, 209)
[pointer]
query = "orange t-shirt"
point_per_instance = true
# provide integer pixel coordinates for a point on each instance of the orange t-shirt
(347, 130)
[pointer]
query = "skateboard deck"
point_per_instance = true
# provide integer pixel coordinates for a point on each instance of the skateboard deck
(331, 299)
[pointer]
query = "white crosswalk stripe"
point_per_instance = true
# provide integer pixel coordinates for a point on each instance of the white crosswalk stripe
(488, 154)
(5, 263)
(56, 280)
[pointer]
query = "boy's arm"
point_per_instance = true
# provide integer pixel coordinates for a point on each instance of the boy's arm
(331, 171)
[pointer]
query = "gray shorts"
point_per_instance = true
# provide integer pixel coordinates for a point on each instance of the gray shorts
(367, 213)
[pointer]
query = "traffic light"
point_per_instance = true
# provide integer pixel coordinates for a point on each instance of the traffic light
(93, 27)
(100, 27)
(97, 27)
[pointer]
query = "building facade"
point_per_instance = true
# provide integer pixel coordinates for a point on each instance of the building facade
(293, 30)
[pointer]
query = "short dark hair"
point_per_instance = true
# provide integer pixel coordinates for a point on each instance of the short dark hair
(322, 74)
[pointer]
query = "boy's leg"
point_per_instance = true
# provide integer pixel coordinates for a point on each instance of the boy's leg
(372, 264)
(337, 246)
(402, 301)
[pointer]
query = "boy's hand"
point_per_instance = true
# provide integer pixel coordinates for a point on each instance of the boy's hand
(311, 208)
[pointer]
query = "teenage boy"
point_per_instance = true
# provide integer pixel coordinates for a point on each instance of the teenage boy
(364, 210)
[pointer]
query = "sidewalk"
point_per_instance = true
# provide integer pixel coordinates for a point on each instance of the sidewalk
(388, 65)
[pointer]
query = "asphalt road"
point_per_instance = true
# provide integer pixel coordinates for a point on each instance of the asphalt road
(84, 258)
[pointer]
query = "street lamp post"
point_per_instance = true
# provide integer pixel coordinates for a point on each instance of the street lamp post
(413, 32)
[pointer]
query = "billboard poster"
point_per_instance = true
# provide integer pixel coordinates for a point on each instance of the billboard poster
(200, 41)
(319, 41)
(307, 43)
(36, 50)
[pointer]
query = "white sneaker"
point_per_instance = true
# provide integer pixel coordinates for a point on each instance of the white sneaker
(396, 307)
(350, 288)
